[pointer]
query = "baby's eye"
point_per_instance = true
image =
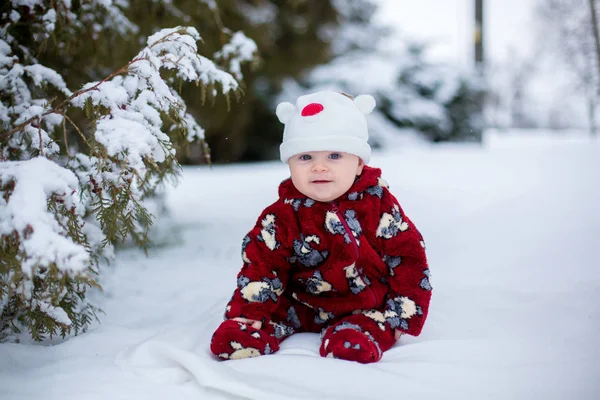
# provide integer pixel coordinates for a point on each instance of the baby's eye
(305, 157)
(335, 156)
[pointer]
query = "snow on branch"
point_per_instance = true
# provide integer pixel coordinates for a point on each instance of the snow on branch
(30, 185)
(100, 14)
(238, 51)
(29, 114)
(176, 49)
(131, 130)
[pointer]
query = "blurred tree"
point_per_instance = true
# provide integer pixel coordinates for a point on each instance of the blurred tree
(570, 26)
(292, 37)
(596, 31)
(437, 100)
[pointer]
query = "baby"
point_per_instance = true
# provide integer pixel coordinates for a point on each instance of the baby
(335, 254)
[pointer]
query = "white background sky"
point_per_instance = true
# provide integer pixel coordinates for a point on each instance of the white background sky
(449, 23)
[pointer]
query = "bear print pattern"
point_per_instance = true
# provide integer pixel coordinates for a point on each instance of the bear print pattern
(268, 232)
(260, 291)
(305, 254)
(391, 224)
(296, 203)
(335, 226)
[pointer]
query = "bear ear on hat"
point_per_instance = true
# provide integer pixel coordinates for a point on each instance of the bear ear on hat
(285, 111)
(365, 103)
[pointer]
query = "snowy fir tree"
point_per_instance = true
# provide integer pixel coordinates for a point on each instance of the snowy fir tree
(84, 143)
(438, 100)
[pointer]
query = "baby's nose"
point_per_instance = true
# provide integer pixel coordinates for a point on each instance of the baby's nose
(319, 166)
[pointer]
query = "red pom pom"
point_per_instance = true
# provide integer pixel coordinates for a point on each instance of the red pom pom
(312, 109)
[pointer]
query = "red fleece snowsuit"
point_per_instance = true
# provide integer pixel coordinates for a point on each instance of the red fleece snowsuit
(356, 263)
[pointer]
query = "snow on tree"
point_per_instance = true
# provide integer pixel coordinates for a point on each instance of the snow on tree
(439, 100)
(69, 191)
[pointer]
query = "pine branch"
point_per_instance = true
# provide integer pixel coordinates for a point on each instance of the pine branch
(60, 109)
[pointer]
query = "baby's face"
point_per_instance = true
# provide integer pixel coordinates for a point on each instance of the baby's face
(324, 175)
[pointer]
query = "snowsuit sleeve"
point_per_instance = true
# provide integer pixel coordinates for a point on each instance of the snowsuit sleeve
(264, 275)
(402, 249)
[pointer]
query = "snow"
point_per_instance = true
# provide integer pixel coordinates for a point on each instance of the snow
(125, 135)
(50, 19)
(512, 234)
(26, 3)
(14, 16)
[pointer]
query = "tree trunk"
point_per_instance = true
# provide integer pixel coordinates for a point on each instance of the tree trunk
(479, 32)
(591, 92)
(597, 37)
(592, 113)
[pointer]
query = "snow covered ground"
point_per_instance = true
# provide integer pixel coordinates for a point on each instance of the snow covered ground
(513, 237)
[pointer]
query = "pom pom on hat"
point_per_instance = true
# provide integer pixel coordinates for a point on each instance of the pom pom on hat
(326, 121)
(365, 103)
(285, 111)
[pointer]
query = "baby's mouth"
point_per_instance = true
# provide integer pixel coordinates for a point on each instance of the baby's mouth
(320, 181)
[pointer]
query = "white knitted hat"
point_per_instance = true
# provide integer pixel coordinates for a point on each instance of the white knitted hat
(326, 121)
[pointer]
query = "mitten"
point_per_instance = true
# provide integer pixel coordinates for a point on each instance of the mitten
(348, 341)
(235, 340)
